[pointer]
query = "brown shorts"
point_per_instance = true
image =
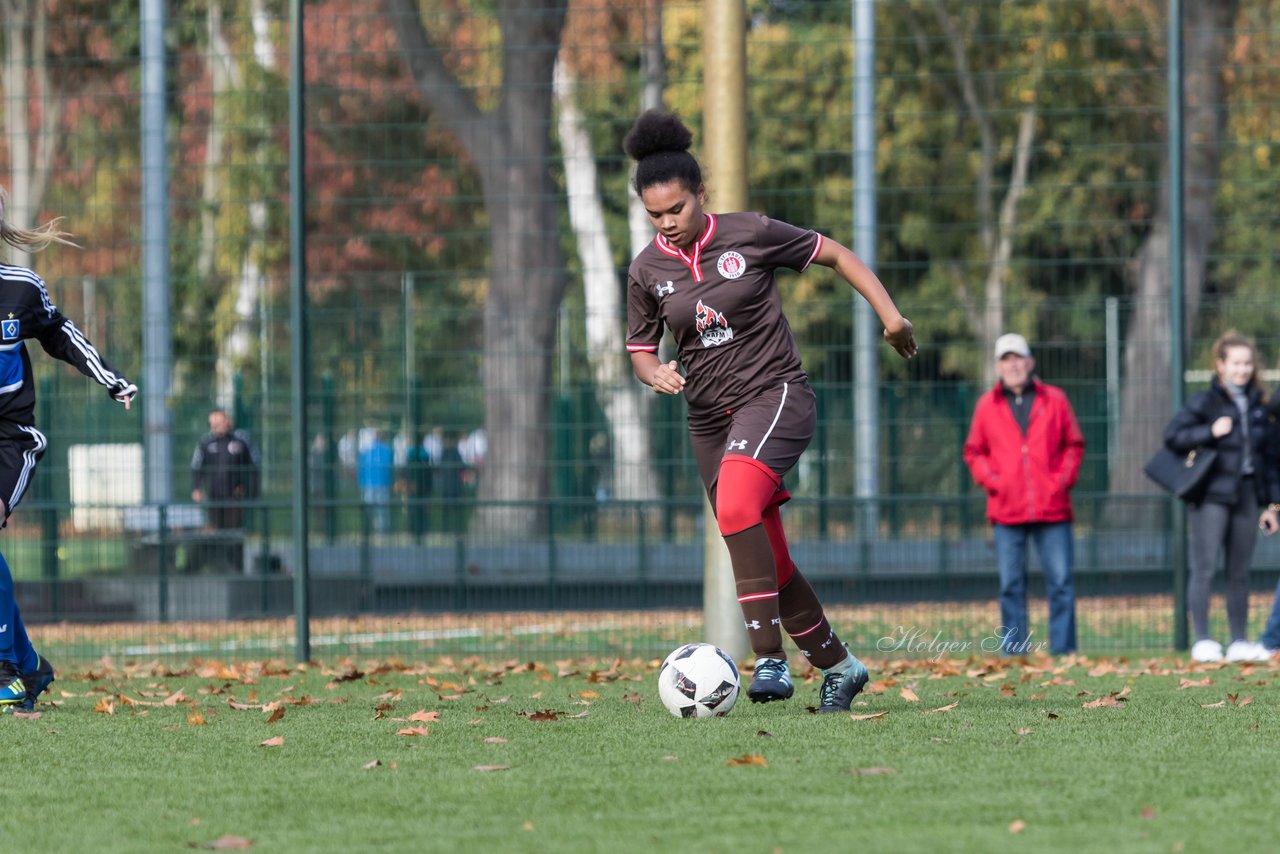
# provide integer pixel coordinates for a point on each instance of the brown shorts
(773, 429)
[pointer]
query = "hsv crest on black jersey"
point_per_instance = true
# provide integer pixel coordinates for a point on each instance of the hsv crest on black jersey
(26, 312)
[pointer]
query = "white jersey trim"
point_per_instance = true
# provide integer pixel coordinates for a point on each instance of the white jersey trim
(776, 415)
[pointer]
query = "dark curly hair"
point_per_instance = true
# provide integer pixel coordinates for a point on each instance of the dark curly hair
(659, 143)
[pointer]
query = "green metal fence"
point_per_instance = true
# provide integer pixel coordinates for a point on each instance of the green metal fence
(405, 313)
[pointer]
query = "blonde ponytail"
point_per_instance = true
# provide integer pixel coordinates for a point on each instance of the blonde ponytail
(32, 239)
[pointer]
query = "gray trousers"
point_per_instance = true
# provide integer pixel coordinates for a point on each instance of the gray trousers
(1234, 531)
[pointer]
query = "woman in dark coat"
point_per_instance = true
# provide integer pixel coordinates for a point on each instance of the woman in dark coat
(1230, 417)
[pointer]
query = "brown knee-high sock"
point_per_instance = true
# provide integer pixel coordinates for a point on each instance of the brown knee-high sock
(756, 581)
(806, 623)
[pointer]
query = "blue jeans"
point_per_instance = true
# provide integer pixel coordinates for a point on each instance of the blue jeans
(1271, 634)
(1055, 547)
(378, 501)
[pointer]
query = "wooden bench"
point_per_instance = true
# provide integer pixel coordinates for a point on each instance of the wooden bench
(184, 544)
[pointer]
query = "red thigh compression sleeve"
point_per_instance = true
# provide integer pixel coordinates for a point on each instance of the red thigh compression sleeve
(744, 489)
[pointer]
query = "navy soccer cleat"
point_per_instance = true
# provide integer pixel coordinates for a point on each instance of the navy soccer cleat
(839, 689)
(771, 681)
(37, 681)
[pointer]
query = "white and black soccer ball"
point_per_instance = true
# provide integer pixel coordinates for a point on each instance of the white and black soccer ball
(698, 680)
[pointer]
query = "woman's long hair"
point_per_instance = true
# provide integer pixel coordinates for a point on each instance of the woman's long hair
(31, 239)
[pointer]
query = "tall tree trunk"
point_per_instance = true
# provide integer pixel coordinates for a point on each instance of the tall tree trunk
(510, 147)
(625, 406)
(1146, 397)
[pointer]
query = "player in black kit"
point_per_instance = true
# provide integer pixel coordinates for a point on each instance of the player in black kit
(709, 278)
(26, 312)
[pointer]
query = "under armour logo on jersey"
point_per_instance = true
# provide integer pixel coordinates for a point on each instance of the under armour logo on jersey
(736, 445)
(665, 290)
(9, 329)
(753, 624)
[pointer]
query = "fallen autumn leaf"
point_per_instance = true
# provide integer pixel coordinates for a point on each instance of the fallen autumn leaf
(747, 759)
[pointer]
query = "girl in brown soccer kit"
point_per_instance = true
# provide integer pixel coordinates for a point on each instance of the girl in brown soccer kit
(710, 279)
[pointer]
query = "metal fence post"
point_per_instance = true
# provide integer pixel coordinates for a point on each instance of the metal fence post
(48, 511)
(162, 554)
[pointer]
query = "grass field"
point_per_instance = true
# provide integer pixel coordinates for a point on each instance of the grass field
(478, 754)
(1106, 625)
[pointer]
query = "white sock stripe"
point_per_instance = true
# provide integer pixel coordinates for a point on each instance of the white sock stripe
(756, 597)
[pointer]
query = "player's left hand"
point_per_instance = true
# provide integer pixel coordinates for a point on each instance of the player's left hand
(124, 393)
(902, 339)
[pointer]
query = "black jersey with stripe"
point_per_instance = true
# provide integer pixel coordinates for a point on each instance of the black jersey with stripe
(26, 312)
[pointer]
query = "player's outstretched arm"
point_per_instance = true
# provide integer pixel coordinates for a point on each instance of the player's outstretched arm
(897, 329)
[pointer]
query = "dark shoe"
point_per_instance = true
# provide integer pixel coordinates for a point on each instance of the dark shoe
(771, 681)
(12, 689)
(37, 681)
(839, 689)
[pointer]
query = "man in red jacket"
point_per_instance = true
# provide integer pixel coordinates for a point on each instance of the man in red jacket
(1024, 448)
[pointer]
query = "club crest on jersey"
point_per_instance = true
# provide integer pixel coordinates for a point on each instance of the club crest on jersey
(713, 327)
(9, 329)
(665, 290)
(731, 264)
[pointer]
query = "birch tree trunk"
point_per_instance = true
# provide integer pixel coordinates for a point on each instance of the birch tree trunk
(26, 77)
(237, 345)
(986, 313)
(621, 397)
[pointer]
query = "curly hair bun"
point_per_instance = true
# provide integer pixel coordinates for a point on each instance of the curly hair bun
(656, 131)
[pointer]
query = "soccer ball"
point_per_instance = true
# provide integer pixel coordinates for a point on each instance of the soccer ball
(698, 680)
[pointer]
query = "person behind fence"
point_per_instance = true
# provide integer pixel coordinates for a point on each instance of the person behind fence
(1024, 449)
(1269, 641)
(710, 279)
(375, 472)
(418, 465)
(28, 312)
(1224, 518)
(224, 472)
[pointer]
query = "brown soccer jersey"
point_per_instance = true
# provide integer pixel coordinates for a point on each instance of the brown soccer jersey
(721, 302)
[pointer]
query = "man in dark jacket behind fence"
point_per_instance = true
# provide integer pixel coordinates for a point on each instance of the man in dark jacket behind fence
(224, 472)
(1024, 449)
